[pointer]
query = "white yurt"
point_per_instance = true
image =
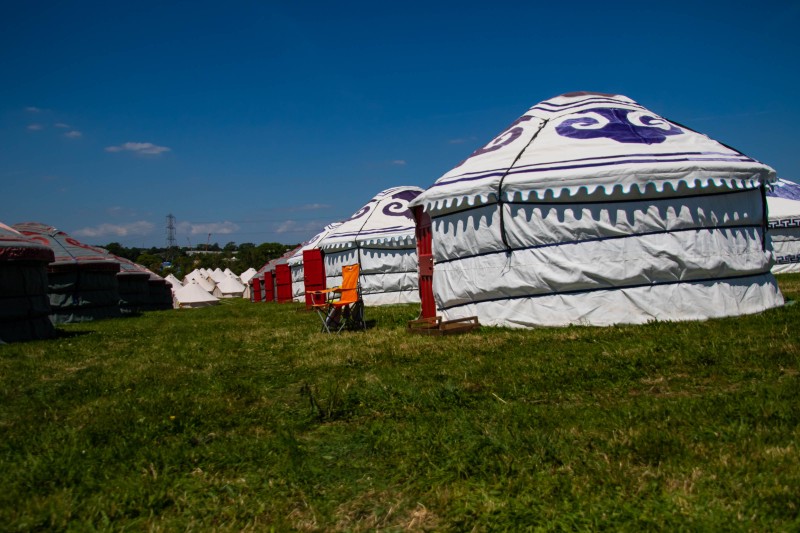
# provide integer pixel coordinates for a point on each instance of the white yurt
(783, 205)
(83, 282)
(590, 209)
(24, 301)
(380, 237)
(192, 295)
(296, 262)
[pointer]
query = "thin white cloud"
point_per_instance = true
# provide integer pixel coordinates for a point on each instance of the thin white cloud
(293, 226)
(313, 207)
(140, 228)
(399, 162)
(35, 127)
(139, 148)
(74, 134)
(61, 125)
(461, 140)
(214, 228)
(32, 109)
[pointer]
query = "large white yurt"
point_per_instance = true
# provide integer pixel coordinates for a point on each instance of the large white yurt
(24, 302)
(783, 205)
(380, 237)
(296, 262)
(590, 209)
(82, 280)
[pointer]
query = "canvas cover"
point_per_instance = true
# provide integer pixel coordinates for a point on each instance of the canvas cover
(230, 287)
(590, 209)
(173, 281)
(192, 295)
(783, 204)
(380, 237)
(24, 301)
(82, 279)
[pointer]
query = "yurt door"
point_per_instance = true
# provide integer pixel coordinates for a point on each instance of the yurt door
(283, 283)
(313, 274)
(269, 287)
(425, 257)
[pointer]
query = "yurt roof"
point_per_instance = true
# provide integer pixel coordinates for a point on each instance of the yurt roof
(67, 250)
(15, 246)
(297, 256)
(592, 146)
(384, 221)
(271, 264)
(784, 189)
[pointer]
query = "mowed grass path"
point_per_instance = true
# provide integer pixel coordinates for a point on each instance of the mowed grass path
(243, 417)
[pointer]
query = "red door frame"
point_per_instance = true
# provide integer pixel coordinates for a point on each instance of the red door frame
(425, 258)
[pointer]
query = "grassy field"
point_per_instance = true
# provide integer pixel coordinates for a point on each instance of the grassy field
(243, 417)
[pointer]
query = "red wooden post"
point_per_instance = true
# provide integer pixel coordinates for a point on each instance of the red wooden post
(425, 258)
(283, 283)
(269, 287)
(313, 275)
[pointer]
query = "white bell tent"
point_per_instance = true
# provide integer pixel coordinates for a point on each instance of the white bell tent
(174, 282)
(783, 204)
(230, 287)
(590, 209)
(192, 295)
(380, 237)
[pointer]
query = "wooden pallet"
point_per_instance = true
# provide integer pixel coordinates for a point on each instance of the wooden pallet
(437, 326)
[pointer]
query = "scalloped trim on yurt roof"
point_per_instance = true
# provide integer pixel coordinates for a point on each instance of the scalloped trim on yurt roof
(584, 144)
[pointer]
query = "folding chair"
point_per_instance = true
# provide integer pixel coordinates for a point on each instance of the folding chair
(343, 307)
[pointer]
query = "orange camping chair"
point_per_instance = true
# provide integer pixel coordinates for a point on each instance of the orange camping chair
(343, 307)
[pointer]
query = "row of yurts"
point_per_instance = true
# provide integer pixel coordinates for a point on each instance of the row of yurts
(589, 209)
(48, 277)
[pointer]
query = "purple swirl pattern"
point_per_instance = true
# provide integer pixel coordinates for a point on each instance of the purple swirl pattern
(620, 125)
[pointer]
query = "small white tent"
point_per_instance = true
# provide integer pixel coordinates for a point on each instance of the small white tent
(174, 282)
(380, 237)
(590, 209)
(192, 295)
(230, 287)
(783, 204)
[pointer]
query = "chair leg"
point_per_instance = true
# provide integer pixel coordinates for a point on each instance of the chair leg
(323, 316)
(357, 315)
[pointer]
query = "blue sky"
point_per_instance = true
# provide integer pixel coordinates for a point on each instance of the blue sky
(263, 121)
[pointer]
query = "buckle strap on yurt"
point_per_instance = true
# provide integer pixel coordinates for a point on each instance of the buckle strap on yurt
(500, 201)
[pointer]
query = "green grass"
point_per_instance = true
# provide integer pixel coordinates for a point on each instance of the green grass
(244, 417)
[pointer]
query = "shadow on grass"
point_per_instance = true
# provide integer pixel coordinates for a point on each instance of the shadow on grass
(61, 334)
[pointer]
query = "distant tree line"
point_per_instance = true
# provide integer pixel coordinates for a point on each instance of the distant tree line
(181, 261)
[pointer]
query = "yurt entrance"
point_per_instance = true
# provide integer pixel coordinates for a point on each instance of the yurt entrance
(313, 274)
(425, 258)
(283, 283)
